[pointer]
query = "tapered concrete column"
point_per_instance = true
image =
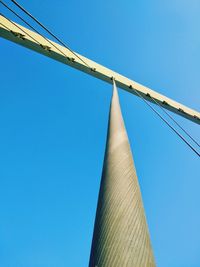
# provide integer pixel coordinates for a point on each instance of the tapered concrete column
(121, 237)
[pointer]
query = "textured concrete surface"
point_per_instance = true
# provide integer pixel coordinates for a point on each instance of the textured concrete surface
(121, 237)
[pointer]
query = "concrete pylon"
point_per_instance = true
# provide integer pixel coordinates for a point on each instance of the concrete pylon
(121, 236)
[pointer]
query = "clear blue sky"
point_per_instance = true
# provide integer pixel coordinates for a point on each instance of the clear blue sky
(53, 122)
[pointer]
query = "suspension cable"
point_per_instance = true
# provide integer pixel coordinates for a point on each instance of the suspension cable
(39, 33)
(46, 29)
(89, 67)
(17, 15)
(163, 119)
(171, 117)
(18, 28)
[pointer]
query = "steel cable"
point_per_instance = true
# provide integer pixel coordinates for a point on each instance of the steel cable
(46, 29)
(189, 135)
(18, 28)
(163, 119)
(17, 15)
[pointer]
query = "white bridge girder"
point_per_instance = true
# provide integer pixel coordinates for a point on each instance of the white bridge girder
(29, 39)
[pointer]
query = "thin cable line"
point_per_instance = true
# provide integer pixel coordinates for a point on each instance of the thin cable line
(45, 28)
(19, 29)
(32, 27)
(86, 63)
(175, 121)
(4, 25)
(166, 121)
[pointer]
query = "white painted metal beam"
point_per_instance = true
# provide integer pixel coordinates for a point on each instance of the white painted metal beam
(27, 38)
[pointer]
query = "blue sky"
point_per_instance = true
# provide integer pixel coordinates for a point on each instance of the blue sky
(54, 122)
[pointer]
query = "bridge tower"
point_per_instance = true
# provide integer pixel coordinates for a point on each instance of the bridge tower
(121, 236)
